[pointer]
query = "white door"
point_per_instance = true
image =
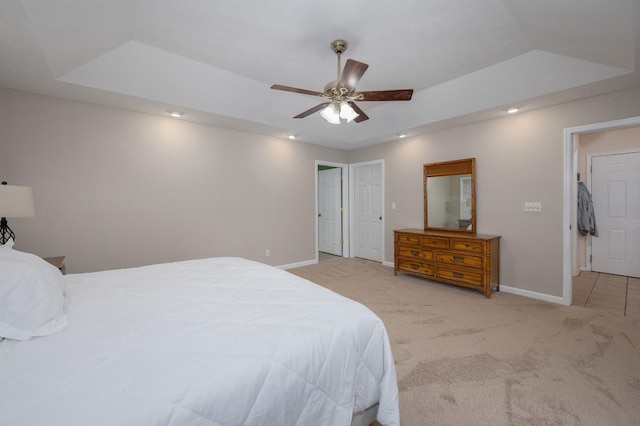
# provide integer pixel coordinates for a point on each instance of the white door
(368, 212)
(616, 200)
(330, 211)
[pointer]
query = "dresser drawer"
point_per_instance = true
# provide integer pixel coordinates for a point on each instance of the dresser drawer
(465, 276)
(460, 259)
(462, 244)
(415, 266)
(408, 238)
(435, 242)
(408, 251)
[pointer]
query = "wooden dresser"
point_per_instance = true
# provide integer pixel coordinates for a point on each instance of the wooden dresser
(468, 260)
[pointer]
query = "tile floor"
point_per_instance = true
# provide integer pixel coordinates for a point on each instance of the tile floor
(611, 293)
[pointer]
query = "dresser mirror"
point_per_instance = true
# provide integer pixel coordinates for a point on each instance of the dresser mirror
(450, 196)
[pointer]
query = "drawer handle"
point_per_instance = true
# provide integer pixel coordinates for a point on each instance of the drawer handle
(415, 266)
(458, 258)
(467, 245)
(415, 252)
(434, 242)
(458, 274)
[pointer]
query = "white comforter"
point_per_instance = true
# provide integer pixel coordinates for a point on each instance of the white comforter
(221, 341)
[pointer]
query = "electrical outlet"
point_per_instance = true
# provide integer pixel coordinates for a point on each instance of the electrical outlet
(532, 206)
(267, 252)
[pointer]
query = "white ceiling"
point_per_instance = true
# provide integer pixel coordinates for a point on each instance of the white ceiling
(467, 60)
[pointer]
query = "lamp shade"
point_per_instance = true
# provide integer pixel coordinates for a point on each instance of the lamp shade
(347, 112)
(16, 201)
(330, 114)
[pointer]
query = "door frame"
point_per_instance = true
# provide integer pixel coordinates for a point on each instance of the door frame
(588, 264)
(569, 191)
(345, 201)
(352, 190)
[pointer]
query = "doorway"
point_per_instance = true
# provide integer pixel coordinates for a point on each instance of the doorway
(330, 210)
(332, 222)
(569, 235)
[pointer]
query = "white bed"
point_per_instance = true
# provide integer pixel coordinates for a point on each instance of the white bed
(220, 341)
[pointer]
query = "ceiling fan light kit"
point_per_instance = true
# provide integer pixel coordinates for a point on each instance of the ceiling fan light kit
(341, 94)
(334, 112)
(330, 114)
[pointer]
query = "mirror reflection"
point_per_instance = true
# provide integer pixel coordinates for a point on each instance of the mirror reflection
(449, 201)
(449, 195)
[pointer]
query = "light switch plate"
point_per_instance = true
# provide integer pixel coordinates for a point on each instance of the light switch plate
(532, 206)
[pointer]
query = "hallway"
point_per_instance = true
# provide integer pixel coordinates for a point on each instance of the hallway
(612, 293)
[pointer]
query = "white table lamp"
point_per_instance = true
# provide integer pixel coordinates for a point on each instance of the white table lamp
(15, 201)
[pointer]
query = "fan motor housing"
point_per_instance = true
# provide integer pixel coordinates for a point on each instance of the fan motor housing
(339, 46)
(330, 87)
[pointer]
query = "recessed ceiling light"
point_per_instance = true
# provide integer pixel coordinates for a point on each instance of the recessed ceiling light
(512, 109)
(402, 135)
(175, 114)
(292, 137)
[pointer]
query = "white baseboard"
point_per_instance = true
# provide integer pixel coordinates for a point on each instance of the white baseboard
(298, 264)
(532, 294)
(389, 264)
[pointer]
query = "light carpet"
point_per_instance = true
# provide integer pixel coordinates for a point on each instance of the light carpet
(464, 360)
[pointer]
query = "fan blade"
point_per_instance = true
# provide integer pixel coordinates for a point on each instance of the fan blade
(353, 71)
(296, 90)
(387, 95)
(361, 115)
(312, 110)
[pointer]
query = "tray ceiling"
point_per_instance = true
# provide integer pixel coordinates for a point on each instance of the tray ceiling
(216, 60)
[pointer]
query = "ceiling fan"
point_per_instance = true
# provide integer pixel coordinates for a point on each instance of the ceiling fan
(341, 94)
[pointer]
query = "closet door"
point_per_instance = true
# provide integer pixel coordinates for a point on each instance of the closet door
(368, 212)
(615, 183)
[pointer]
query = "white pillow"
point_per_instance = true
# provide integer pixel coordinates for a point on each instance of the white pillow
(31, 295)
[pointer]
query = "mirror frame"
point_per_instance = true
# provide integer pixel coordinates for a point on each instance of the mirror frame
(451, 168)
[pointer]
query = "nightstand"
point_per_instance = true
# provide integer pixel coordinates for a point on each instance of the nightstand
(58, 262)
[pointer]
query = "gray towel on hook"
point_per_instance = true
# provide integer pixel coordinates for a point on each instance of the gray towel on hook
(586, 215)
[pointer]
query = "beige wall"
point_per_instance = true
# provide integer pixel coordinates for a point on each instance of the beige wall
(518, 158)
(592, 143)
(115, 188)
